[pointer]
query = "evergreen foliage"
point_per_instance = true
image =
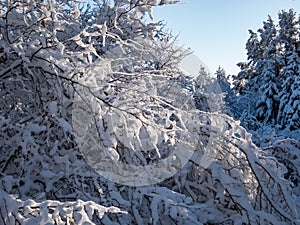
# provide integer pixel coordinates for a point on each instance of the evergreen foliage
(272, 71)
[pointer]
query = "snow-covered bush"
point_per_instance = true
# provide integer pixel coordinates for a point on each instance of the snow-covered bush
(75, 76)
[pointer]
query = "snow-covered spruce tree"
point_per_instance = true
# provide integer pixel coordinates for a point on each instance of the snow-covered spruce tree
(207, 93)
(289, 61)
(245, 80)
(228, 93)
(288, 32)
(257, 47)
(262, 69)
(245, 84)
(60, 58)
(280, 66)
(223, 80)
(294, 102)
(267, 105)
(267, 77)
(288, 95)
(267, 67)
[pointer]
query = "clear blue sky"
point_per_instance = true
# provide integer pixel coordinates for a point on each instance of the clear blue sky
(217, 30)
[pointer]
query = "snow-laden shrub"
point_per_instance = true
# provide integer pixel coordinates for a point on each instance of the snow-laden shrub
(55, 54)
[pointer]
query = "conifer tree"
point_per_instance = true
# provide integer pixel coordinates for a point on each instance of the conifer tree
(266, 67)
(268, 77)
(289, 68)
